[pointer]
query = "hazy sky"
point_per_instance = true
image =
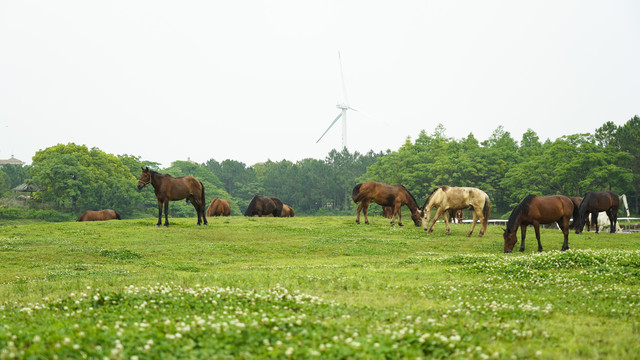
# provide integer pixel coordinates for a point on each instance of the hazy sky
(258, 80)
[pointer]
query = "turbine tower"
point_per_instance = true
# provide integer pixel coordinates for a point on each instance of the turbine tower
(343, 106)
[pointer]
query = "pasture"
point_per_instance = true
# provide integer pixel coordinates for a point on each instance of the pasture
(312, 287)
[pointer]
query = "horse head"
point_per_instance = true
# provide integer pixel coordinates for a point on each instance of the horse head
(510, 240)
(145, 178)
(416, 216)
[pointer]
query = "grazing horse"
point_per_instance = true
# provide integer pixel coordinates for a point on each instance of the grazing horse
(385, 195)
(263, 206)
(535, 210)
(100, 215)
(287, 211)
(219, 207)
(596, 201)
(457, 198)
(168, 188)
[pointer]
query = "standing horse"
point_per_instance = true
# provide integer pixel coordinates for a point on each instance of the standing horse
(219, 207)
(287, 211)
(168, 188)
(263, 206)
(100, 215)
(535, 210)
(596, 201)
(385, 195)
(457, 198)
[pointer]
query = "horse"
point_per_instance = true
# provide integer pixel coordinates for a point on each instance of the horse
(595, 202)
(385, 195)
(455, 216)
(262, 206)
(168, 188)
(287, 211)
(535, 210)
(457, 198)
(387, 211)
(99, 215)
(219, 207)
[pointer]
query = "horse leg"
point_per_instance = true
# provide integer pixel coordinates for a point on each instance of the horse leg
(445, 217)
(196, 206)
(358, 214)
(536, 227)
(565, 232)
(473, 223)
(612, 220)
(159, 213)
(523, 235)
(594, 219)
(435, 217)
(365, 209)
(399, 216)
(166, 213)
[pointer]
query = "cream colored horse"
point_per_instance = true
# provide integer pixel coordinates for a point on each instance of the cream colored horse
(457, 198)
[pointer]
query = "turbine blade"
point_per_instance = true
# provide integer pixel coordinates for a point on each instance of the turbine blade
(326, 131)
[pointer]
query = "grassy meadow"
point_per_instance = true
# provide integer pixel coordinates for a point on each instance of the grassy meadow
(312, 287)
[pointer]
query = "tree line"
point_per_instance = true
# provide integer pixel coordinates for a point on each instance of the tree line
(74, 177)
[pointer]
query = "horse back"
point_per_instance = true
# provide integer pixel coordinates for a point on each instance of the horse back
(549, 209)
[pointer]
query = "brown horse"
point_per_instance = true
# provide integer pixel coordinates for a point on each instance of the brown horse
(457, 198)
(535, 210)
(100, 215)
(595, 202)
(455, 216)
(168, 188)
(385, 195)
(287, 211)
(387, 211)
(219, 207)
(263, 206)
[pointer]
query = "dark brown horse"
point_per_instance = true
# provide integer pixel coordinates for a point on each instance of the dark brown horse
(287, 211)
(385, 195)
(263, 206)
(595, 202)
(535, 210)
(219, 207)
(168, 188)
(100, 215)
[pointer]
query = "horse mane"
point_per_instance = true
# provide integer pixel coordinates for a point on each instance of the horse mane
(522, 207)
(410, 194)
(430, 195)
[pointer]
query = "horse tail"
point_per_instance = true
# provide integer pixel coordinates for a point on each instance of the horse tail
(355, 192)
(203, 204)
(486, 210)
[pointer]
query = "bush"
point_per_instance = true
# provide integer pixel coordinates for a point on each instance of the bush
(45, 215)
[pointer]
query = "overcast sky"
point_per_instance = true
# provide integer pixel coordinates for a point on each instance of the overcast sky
(259, 80)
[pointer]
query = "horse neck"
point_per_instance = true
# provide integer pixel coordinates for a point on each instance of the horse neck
(411, 202)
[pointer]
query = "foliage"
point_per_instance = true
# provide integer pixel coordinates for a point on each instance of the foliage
(74, 177)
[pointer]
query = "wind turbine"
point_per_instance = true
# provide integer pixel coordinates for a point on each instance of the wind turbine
(343, 106)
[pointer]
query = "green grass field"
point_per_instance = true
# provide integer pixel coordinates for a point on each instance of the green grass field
(312, 287)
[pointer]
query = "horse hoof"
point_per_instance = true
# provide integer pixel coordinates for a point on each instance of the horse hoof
(366, 223)
(358, 222)
(400, 224)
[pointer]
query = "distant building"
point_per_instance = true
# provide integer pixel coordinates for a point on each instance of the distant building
(12, 161)
(25, 191)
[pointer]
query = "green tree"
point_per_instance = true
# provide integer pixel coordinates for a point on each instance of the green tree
(73, 177)
(628, 139)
